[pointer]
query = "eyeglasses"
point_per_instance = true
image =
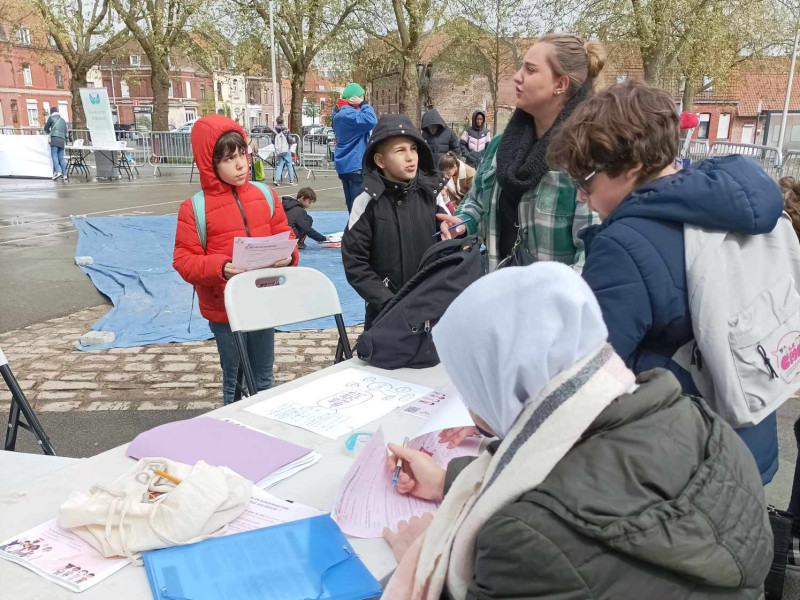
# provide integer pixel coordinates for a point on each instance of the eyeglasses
(583, 184)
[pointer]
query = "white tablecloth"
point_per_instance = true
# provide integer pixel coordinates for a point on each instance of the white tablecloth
(315, 486)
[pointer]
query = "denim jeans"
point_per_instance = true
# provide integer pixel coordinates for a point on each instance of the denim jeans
(57, 154)
(260, 351)
(284, 159)
(351, 182)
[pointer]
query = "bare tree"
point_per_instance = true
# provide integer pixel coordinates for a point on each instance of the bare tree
(83, 34)
(302, 29)
(160, 26)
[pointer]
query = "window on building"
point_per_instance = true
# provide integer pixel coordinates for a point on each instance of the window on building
(24, 36)
(135, 60)
(202, 92)
(3, 33)
(723, 126)
(188, 89)
(708, 84)
(124, 89)
(794, 136)
(27, 76)
(59, 77)
(33, 113)
(702, 127)
(14, 113)
(170, 89)
(191, 114)
(219, 90)
(63, 109)
(621, 77)
(52, 41)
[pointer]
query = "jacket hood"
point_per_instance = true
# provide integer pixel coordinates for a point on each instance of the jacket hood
(728, 193)
(289, 202)
(431, 118)
(394, 126)
(205, 133)
(663, 479)
(479, 131)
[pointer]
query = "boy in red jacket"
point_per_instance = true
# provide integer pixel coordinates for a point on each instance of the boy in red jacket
(234, 208)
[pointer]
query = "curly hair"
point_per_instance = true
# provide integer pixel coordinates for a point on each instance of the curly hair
(791, 201)
(627, 125)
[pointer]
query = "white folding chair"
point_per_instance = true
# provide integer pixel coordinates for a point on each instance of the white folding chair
(270, 298)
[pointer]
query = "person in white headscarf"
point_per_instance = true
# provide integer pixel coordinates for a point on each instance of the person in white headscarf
(597, 487)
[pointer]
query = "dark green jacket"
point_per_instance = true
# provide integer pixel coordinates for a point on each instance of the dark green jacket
(659, 500)
(56, 126)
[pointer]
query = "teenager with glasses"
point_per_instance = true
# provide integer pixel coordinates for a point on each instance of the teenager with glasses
(619, 148)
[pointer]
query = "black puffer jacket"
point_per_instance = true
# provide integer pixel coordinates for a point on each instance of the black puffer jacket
(444, 140)
(299, 220)
(391, 224)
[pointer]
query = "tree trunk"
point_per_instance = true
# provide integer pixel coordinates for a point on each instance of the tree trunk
(78, 81)
(159, 79)
(409, 90)
(296, 107)
(688, 95)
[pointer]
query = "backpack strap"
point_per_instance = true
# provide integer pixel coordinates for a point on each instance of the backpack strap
(199, 208)
(268, 194)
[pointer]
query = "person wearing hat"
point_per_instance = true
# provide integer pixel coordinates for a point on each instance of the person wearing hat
(352, 120)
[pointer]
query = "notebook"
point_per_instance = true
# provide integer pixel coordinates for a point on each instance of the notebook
(308, 559)
(252, 454)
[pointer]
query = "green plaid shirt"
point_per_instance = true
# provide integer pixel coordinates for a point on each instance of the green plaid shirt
(550, 216)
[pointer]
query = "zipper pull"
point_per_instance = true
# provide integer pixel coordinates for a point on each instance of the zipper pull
(427, 326)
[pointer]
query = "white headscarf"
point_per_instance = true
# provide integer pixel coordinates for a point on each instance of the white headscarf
(511, 332)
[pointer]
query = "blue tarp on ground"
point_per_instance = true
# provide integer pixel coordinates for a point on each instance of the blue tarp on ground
(132, 265)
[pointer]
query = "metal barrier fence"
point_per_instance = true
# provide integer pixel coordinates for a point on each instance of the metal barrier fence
(317, 152)
(698, 150)
(791, 164)
(21, 131)
(769, 157)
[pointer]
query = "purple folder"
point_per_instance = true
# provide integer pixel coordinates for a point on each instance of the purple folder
(252, 454)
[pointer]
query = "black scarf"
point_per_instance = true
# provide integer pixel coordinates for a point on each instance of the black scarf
(521, 164)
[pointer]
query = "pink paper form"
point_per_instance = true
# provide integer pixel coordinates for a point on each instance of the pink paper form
(367, 502)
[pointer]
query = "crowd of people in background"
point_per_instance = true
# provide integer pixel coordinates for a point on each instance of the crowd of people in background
(649, 489)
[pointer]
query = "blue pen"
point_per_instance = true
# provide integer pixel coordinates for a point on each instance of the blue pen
(399, 464)
(466, 219)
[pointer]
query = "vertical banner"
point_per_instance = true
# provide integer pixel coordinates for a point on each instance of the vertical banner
(98, 116)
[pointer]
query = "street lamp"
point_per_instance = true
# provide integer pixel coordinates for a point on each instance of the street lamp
(113, 91)
(272, 59)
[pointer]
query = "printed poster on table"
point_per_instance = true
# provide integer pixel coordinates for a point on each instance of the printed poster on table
(341, 402)
(98, 116)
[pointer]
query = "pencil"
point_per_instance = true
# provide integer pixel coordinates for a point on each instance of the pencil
(166, 475)
(399, 465)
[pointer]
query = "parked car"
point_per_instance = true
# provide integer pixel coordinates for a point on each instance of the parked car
(262, 129)
(307, 129)
(323, 135)
(186, 127)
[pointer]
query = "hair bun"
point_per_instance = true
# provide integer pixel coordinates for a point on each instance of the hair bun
(595, 59)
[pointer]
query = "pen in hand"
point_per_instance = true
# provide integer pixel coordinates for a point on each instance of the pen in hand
(399, 465)
(464, 221)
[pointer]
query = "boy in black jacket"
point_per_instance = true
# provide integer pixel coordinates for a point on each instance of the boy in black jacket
(393, 221)
(299, 220)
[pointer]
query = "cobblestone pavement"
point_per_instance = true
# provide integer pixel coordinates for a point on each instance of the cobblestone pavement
(57, 377)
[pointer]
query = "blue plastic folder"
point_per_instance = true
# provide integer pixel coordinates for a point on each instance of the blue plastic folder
(308, 559)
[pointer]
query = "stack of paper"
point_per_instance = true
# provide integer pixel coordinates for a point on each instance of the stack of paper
(60, 556)
(339, 403)
(259, 457)
(367, 502)
(256, 253)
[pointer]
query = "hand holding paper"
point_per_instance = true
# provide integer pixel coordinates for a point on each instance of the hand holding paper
(257, 253)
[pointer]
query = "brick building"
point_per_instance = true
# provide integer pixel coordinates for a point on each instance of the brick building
(33, 76)
(126, 75)
(322, 93)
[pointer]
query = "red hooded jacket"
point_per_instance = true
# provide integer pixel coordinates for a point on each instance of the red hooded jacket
(224, 221)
